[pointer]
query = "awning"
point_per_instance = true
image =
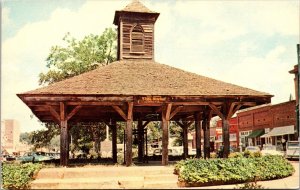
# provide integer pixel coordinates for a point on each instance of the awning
(256, 133)
(278, 131)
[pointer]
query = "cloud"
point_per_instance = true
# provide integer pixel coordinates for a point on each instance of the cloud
(210, 38)
(23, 55)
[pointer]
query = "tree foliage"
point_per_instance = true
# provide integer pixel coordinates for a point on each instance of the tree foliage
(76, 57)
(79, 56)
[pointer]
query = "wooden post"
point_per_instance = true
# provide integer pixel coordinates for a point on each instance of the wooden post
(206, 137)
(114, 141)
(129, 135)
(226, 142)
(140, 140)
(64, 141)
(198, 134)
(165, 135)
(185, 141)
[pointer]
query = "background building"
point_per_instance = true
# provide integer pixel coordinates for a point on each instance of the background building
(267, 124)
(10, 135)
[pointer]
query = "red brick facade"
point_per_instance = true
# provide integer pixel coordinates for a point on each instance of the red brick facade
(268, 116)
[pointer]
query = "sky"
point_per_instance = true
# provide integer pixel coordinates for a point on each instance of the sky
(247, 43)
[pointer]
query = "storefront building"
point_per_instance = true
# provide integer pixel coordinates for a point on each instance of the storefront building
(267, 124)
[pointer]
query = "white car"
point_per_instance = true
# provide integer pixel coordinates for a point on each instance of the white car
(253, 149)
(271, 150)
(292, 149)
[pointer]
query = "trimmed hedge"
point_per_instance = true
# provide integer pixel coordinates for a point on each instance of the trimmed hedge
(201, 172)
(18, 176)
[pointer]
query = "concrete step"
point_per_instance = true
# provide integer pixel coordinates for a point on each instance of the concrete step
(106, 178)
(58, 173)
(160, 185)
(89, 183)
(165, 177)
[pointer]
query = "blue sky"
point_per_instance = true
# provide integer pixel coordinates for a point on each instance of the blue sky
(248, 43)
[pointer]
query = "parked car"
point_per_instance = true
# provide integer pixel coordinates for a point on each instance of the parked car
(9, 157)
(292, 149)
(252, 149)
(34, 157)
(271, 150)
(171, 152)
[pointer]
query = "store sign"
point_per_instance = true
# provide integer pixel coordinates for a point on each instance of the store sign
(152, 99)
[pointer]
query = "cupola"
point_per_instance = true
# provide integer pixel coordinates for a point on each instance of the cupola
(135, 31)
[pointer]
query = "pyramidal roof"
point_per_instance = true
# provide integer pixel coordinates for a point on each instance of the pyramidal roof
(143, 77)
(134, 7)
(137, 6)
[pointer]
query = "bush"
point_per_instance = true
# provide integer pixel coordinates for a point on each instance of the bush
(200, 172)
(18, 176)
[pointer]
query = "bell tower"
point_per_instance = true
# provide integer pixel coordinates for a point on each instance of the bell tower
(135, 31)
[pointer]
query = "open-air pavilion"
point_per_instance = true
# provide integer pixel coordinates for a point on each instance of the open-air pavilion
(136, 88)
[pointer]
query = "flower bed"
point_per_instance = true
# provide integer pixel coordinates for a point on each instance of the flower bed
(18, 176)
(201, 172)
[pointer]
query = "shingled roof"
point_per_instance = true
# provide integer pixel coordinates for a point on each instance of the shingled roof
(143, 77)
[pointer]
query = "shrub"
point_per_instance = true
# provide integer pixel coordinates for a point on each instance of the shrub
(235, 155)
(213, 155)
(18, 176)
(200, 172)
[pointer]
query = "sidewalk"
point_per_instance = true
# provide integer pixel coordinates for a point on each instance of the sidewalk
(291, 182)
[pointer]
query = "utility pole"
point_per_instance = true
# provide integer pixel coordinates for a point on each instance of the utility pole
(298, 86)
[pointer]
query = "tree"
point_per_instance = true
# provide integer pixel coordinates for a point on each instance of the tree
(42, 138)
(79, 56)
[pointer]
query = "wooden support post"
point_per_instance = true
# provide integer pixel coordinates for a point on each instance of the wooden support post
(114, 141)
(140, 140)
(165, 135)
(129, 122)
(64, 140)
(225, 134)
(206, 137)
(198, 134)
(185, 141)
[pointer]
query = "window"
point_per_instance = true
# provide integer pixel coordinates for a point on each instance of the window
(137, 39)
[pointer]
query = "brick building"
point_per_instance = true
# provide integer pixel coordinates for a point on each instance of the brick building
(267, 124)
(10, 135)
(233, 133)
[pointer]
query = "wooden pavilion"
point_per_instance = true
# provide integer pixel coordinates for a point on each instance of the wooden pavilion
(136, 88)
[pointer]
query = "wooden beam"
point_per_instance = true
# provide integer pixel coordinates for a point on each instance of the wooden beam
(175, 111)
(120, 111)
(216, 110)
(129, 111)
(95, 103)
(236, 109)
(73, 112)
(74, 98)
(62, 111)
(54, 113)
(168, 111)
